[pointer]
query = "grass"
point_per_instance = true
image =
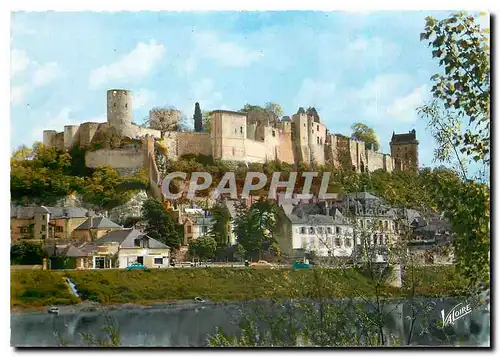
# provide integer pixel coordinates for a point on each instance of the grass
(41, 288)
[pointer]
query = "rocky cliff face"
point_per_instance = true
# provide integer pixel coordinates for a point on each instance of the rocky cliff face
(72, 200)
(130, 209)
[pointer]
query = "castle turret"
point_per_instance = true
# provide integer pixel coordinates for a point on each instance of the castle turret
(49, 137)
(119, 103)
(70, 135)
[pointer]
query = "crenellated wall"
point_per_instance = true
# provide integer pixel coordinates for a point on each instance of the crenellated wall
(254, 137)
(374, 160)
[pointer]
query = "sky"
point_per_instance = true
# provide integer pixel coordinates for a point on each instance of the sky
(367, 67)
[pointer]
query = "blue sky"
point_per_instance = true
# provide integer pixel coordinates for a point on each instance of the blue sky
(365, 67)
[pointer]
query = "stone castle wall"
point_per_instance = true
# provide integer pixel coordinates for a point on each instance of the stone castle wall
(125, 158)
(194, 143)
(253, 137)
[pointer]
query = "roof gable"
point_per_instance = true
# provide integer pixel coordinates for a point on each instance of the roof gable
(98, 223)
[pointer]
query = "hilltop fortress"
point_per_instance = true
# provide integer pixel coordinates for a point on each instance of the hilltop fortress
(256, 136)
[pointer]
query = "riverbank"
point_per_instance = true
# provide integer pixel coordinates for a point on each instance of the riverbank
(35, 290)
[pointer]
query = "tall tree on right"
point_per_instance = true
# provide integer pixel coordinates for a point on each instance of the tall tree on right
(198, 118)
(459, 119)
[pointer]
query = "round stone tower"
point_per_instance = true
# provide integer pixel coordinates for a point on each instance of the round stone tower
(119, 103)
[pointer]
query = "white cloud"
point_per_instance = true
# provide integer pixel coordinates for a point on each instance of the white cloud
(19, 61)
(143, 97)
(134, 65)
(383, 87)
(17, 94)
(403, 109)
(209, 45)
(45, 74)
(315, 93)
(39, 75)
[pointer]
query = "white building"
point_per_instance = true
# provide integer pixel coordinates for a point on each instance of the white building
(298, 233)
(196, 227)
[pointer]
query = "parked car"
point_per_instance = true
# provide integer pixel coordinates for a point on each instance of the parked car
(300, 265)
(137, 266)
(53, 310)
(262, 264)
(198, 299)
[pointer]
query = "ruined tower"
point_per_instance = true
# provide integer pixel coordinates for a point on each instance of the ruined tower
(119, 102)
(404, 147)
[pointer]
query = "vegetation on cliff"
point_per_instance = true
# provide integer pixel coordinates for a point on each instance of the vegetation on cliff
(47, 174)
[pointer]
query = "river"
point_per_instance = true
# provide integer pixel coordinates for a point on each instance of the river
(189, 325)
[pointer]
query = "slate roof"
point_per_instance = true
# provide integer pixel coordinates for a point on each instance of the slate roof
(314, 219)
(404, 138)
(363, 196)
(126, 237)
(22, 212)
(97, 223)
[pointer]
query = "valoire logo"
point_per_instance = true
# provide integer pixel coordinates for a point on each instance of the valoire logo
(456, 313)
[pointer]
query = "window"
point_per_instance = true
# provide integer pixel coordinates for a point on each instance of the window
(137, 242)
(126, 105)
(140, 260)
(337, 242)
(329, 230)
(158, 261)
(23, 229)
(189, 229)
(59, 229)
(311, 230)
(320, 230)
(303, 230)
(337, 230)
(386, 225)
(348, 242)
(241, 130)
(317, 127)
(44, 227)
(274, 133)
(204, 229)
(114, 105)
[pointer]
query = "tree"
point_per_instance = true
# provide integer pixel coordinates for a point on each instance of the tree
(159, 225)
(166, 119)
(44, 177)
(219, 230)
(204, 247)
(462, 48)
(22, 153)
(207, 122)
(198, 118)
(462, 93)
(25, 253)
(274, 108)
(364, 133)
(240, 253)
(253, 225)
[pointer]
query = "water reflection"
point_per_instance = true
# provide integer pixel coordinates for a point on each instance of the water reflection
(190, 326)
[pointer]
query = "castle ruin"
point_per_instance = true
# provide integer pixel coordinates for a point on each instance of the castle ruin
(254, 137)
